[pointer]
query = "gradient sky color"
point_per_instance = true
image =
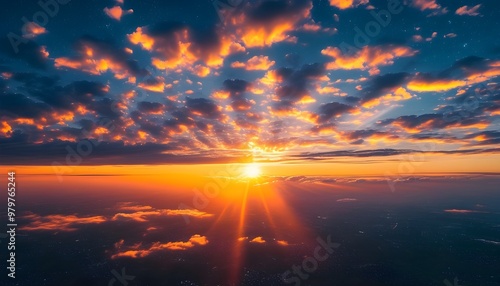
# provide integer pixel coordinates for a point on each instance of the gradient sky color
(317, 87)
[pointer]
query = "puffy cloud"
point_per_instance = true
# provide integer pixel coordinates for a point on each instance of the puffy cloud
(268, 22)
(331, 110)
(293, 86)
(467, 71)
(176, 45)
(97, 56)
(155, 84)
(385, 88)
(367, 58)
(151, 107)
(32, 29)
(469, 11)
(398, 95)
(117, 12)
(204, 107)
(28, 51)
(255, 63)
(345, 4)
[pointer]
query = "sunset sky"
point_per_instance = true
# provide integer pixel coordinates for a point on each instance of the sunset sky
(301, 87)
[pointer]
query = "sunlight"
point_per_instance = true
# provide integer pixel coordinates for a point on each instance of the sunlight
(251, 171)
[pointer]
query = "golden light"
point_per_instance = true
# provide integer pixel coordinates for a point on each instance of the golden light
(251, 171)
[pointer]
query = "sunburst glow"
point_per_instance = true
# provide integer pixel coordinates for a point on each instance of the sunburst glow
(252, 171)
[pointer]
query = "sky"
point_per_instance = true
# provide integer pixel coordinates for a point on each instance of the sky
(302, 87)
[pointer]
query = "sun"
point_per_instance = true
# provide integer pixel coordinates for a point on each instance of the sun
(251, 171)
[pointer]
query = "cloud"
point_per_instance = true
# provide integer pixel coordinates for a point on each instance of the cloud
(469, 11)
(142, 213)
(267, 22)
(59, 222)
(32, 30)
(346, 200)
(417, 123)
(97, 56)
(462, 211)
(255, 63)
(136, 251)
(283, 242)
(258, 239)
(154, 84)
(345, 4)
(175, 45)
(28, 51)
(467, 71)
(150, 107)
(484, 138)
(292, 86)
(204, 107)
(384, 88)
(432, 5)
(331, 110)
(367, 58)
(117, 12)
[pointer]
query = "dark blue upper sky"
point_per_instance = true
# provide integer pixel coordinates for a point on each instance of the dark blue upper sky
(187, 81)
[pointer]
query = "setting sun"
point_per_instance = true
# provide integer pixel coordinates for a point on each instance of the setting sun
(251, 171)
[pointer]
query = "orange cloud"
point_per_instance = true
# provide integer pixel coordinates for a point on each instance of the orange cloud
(368, 58)
(32, 29)
(328, 90)
(59, 222)
(5, 128)
(136, 252)
(142, 213)
(178, 47)
(155, 85)
(282, 242)
(425, 4)
(345, 4)
(117, 12)
(255, 63)
(469, 11)
(258, 239)
(434, 85)
(398, 95)
(201, 71)
(425, 83)
(97, 57)
(266, 32)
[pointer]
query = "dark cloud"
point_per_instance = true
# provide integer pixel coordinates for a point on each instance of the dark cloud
(381, 85)
(150, 107)
(20, 106)
(204, 107)
(330, 110)
(28, 51)
(295, 84)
